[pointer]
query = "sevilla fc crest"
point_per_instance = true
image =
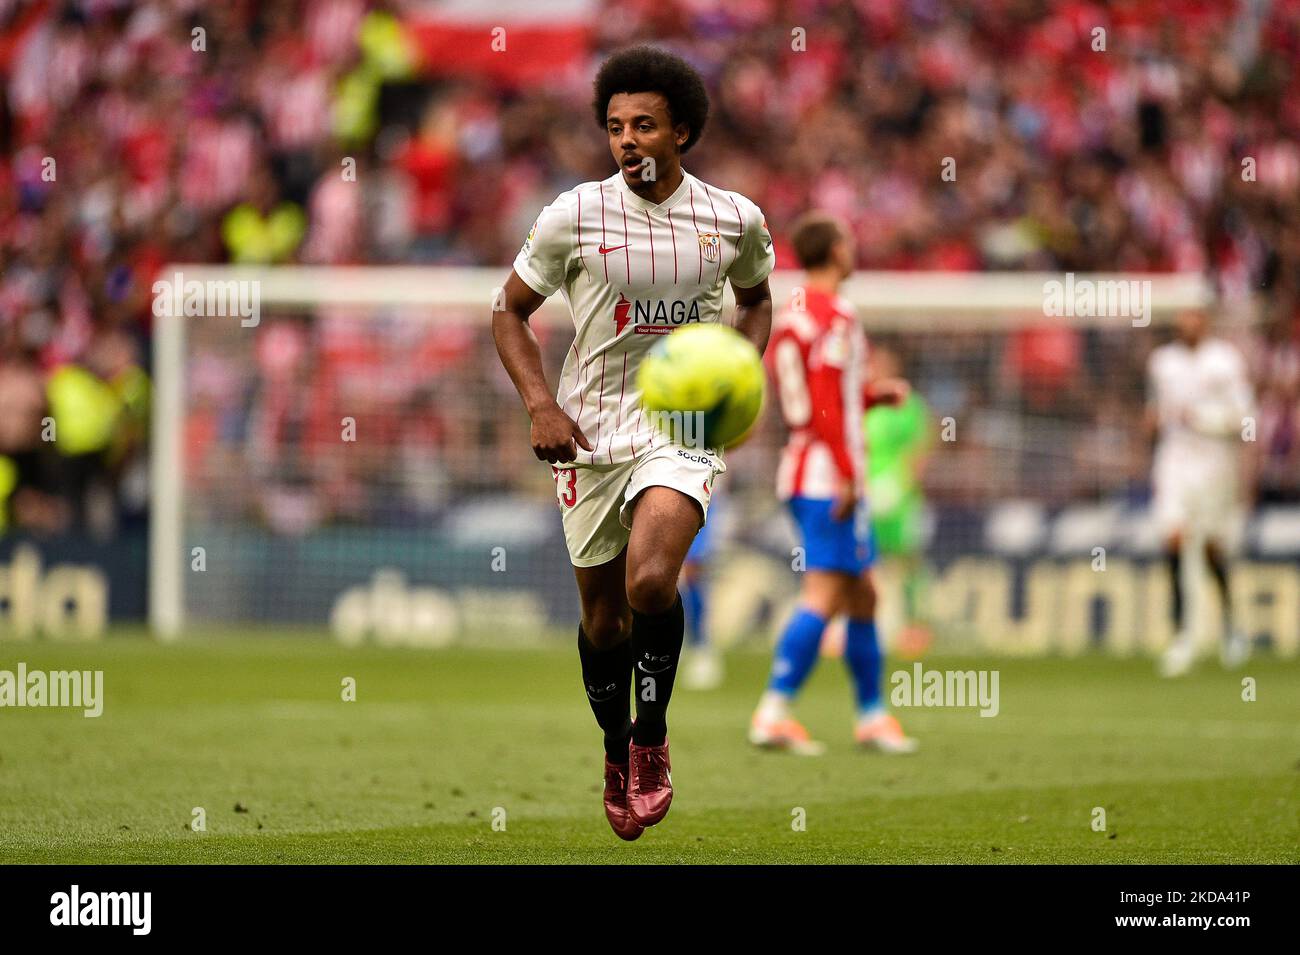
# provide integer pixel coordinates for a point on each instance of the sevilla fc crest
(710, 245)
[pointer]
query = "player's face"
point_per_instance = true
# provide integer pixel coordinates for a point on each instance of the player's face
(639, 129)
(1191, 326)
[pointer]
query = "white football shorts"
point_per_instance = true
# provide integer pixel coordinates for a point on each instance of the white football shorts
(595, 500)
(1199, 497)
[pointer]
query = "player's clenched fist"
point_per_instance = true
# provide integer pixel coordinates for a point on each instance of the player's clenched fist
(556, 437)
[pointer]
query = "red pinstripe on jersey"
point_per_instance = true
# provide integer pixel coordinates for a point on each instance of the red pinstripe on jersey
(600, 406)
(581, 392)
(740, 240)
(700, 248)
(741, 219)
(584, 378)
(603, 258)
(621, 389)
(582, 258)
(672, 231)
(627, 247)
(717, 229)
(652, 247)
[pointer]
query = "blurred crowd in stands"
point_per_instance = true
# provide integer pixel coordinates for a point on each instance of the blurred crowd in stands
(1075, 136)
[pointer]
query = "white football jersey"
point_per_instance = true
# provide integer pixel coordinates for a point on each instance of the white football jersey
(1201, 396)
(631, 270)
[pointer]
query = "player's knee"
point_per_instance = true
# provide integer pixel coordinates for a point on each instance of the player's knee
(606, 628)
(822, 604)
(862, 599)
(651, 590)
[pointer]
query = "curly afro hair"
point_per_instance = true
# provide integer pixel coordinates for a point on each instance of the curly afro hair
(644, 69)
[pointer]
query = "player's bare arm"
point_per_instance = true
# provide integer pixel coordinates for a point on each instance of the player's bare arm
(555, 436)
(754, 313)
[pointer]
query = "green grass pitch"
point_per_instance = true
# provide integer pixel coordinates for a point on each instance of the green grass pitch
(255, 732)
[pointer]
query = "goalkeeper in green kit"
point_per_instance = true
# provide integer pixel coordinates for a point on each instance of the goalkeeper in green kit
(898, 442)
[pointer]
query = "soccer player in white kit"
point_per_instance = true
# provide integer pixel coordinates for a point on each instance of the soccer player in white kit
(635, 256)
(1200, 398)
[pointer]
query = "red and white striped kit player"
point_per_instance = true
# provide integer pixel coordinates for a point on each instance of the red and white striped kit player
(630, 271)
(818, 357)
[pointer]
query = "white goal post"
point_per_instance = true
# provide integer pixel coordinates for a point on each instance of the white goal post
(884, 300)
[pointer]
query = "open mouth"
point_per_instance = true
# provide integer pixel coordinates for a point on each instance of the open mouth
(632, 163)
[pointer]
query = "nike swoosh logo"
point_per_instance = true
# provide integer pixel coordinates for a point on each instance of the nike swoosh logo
(604, 251)
(652, 672)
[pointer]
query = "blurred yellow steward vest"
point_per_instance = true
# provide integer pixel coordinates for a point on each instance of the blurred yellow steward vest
(251, 238)
(85, 409)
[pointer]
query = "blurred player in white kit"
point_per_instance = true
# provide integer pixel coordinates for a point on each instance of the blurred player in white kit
(1200, 397)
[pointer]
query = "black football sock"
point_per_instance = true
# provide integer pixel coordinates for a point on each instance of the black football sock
(607, 676)
(656, 648)
(1174, 560)
(1219, 568)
